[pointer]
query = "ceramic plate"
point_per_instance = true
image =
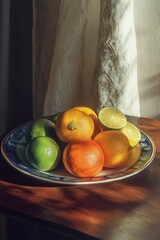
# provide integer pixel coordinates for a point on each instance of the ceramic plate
(13, 150)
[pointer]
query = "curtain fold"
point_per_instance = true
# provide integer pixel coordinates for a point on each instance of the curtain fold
(73, 63)
(45, 20)
(84, 53)
(117, 70)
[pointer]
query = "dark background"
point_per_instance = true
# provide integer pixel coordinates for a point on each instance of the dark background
(15, 63)
(16, 84)
(20, 62)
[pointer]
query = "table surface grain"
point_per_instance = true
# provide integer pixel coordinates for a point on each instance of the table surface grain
(128, 209)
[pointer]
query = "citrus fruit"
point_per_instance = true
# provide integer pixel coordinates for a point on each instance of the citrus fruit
(55, 117)
(115, 146)
(83, 158)
(43, 153)
(40, 127)
(97, 126)
(111, 117)
(73, 124)
(132, 132)
(87, 110)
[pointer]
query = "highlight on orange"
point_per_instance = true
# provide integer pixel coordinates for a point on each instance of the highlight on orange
(83, 158)
(115, 146)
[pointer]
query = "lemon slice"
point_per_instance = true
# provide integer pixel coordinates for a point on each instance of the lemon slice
(132, 132)
(112, 118)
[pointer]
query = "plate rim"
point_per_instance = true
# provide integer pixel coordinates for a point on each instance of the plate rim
(82, 181)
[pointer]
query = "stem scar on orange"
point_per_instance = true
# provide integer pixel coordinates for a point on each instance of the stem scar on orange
(73, 125)
(83, 158)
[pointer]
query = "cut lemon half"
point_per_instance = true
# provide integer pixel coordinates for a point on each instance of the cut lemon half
(132, 132)
(112, 118)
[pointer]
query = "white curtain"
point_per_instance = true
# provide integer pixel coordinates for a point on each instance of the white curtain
(84, 53)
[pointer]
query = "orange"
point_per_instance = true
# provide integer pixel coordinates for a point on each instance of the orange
(97, 126)
(115, 146)
(73, 125)
(83, 158)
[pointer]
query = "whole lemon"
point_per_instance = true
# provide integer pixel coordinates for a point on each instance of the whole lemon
(115, 146)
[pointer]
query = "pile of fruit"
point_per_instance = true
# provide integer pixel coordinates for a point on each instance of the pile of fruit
(83, 141)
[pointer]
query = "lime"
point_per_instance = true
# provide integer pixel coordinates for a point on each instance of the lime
(40, 127)
(55, 117)
(43, 153)
(112, 118)
(132, 132)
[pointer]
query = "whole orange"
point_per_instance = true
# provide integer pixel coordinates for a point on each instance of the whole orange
(83, 158)
(73, 125)
(97, 126)
(115, 146)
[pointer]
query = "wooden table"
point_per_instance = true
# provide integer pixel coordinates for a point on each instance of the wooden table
(127, 209)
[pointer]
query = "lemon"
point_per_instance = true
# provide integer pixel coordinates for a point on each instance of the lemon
(132, 132)
(89, 111)
(112, 118)
(115, 146)
(43, 153)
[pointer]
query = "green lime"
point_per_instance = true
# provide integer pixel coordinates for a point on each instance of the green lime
(111, 117)
(40, 127)
(54, 117)
(43, 153)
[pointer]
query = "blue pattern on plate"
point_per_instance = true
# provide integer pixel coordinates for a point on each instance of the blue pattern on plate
(15, 140)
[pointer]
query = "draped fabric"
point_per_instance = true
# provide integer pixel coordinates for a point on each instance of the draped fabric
(73, 64)
(117, 75)
(84, 53)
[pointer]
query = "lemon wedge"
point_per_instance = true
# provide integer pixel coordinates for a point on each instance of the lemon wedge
(132, 132)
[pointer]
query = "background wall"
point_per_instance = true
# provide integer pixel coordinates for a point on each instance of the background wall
(147, 24)
(147, 27)
(4, 60)
(16, 70)
(15, 63)
(20, 63)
